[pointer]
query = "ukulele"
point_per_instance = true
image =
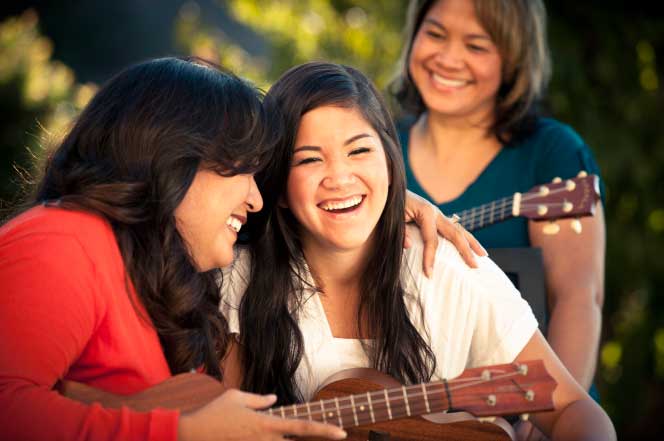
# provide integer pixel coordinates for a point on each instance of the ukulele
(373, 406)
(572, 198)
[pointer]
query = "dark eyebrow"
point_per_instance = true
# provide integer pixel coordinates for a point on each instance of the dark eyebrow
(318, 149)
(356, 137)
(307, 147)
(470, 36)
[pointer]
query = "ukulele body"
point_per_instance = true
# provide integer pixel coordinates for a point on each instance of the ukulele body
(456, 426)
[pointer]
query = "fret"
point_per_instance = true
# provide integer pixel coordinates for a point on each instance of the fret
(492, 211)
(283, 415)
(426, 398)
(336, 403)
(387, 402)
(322, 411)
(308, 410)
(294, 411)
(405, 398)
(481, 222)
(371, 411)
(269, 411)
(472, 218)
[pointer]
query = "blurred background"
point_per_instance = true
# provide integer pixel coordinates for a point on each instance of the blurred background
(608, 84)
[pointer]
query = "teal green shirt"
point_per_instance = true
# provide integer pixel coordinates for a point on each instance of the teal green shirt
(552, 150)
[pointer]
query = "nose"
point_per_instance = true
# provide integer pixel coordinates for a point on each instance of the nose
(450, 55)
(254, 199)
(338, 175)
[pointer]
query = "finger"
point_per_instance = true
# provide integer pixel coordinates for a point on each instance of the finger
(252, 401)
(407, 242)
(428, 230)
(309, 428)
(455, 233)
(475, 244)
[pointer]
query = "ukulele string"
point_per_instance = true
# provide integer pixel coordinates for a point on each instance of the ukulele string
(439, 388)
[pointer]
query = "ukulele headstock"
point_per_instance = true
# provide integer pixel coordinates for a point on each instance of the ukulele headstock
(507, 389)
(570, 198)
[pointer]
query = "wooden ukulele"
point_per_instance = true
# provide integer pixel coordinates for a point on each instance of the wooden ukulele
(373, 406)
(571, 198)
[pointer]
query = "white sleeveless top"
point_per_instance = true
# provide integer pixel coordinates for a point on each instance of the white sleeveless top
(472, 317)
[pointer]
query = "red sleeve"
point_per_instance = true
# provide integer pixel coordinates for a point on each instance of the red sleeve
(49, 308)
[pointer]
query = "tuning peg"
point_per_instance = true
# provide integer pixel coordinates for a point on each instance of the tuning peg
(556, 180)
(489, 419)
(551, 228)
(542, 209)
(576, 226)
(530, 395)
(543, 190)
(582, 174)
(570, 185)
(524, 416)
(567, 206)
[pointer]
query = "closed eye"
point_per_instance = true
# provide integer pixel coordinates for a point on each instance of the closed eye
(305, 161)
(434, 34)
(476, 48)
(360, 150)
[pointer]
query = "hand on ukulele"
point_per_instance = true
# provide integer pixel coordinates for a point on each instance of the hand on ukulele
(232, 417)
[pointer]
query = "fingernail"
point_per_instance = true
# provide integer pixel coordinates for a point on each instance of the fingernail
(342, 434)
(429, 272)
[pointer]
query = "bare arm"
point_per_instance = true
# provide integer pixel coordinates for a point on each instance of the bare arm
(574, 270)
(576, 415)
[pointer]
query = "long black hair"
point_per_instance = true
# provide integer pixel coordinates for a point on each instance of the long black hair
(131, 157)
(271, 342)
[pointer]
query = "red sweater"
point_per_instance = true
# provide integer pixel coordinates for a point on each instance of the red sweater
(65, 314)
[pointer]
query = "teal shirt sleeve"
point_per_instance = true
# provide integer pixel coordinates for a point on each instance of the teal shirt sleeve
(561, 152)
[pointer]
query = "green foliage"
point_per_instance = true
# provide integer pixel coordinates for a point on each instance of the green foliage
(38, 98)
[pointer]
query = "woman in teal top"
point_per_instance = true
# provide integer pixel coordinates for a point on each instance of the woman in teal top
(472, 73)
(552, 150)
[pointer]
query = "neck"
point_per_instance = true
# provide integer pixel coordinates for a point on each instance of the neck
(337, 271)
(447, 136)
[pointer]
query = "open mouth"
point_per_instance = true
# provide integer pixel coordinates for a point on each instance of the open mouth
(344, 206)
(234, 223)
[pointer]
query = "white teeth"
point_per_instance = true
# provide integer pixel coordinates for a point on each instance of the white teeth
(234, 223)
(350, 202)
(447, 82)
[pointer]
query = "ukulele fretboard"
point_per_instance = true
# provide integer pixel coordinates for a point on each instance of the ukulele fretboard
(487, 214)
(371, 407)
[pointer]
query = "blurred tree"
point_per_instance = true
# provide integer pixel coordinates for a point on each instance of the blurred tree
(38, 97)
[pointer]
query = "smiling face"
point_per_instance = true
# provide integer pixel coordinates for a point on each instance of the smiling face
(454, 63)
(338, 182)
(212, 212)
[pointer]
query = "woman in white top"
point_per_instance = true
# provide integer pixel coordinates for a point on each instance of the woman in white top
(328, 286)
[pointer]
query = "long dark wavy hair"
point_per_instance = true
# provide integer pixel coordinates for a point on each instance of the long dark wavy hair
(131, 157)
(271, 342)
(518, 29)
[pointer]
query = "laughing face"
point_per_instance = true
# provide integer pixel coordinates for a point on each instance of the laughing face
(211, 214)
(339, 180)
(454, 63)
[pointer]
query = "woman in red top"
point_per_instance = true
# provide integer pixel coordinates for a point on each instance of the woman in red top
(109, 278)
